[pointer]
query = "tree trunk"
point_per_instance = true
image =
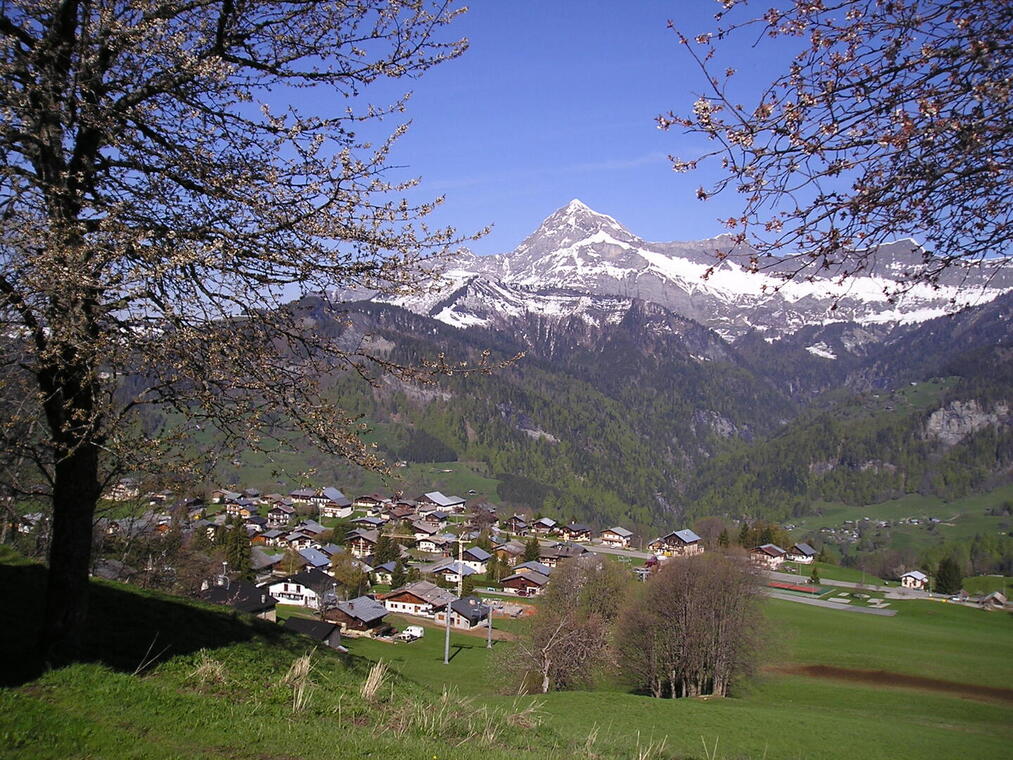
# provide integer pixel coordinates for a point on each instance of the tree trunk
(75, 494)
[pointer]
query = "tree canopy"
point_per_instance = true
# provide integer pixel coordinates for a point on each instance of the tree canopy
(159, 200)
(892, 118)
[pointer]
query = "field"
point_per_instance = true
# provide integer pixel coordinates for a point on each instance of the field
(216, 688)
(783, 713)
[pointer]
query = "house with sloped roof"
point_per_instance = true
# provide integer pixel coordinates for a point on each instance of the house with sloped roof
(476, 558)
(305, 589)
(575, 532)
(440, 501)
(322, 631)
(617, 537)
(334, 504)
(525, 584)
(315, 558)
(360, 616)
(544, 526)
(678, 543)
(422, 598)
(768, 556)
(915, 579)
(242, 596)
(801, 553)
(466, 613)
(532, 566)
(361, 542)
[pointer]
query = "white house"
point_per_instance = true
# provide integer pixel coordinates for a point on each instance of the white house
(304, 589)
(915, 579)
(802, 553)
(617, 537)
(769, 556)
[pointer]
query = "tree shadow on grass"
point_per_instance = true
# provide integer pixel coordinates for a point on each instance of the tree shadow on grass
(127, 629)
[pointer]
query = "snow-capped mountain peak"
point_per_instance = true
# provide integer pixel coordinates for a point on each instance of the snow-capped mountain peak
(577, 253)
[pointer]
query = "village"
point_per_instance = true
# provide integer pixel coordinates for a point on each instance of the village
(340, 566)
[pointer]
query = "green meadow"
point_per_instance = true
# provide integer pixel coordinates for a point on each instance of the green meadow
(168, 678)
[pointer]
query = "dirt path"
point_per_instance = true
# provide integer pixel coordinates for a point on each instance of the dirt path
(884, 678)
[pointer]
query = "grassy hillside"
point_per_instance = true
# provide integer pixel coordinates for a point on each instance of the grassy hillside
(216, 687)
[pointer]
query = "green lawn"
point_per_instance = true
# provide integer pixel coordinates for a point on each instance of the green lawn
(985, 584)
(217, 690)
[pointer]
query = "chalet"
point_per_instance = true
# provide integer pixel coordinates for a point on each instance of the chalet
(451, 504)
(302, 495)
(331, 549)
(442, 544)
(369, 523)
(553, 555)
(993, 601)
(297, 540)
(304, 589)
(280, 515)
(915, 579)
(401, 512)
(362, 615)
(768, 556)
(361, 542)
(576, 532)
(241, 508)
(242, 596)
(424, 529)
(421, 598)
(544, 526)
(452, 571)
(221, 496)
(616, 537)
(272, 537)
(334, 504)
(311, 527)
(368, 501)
(477, 559)
(533, 567)
(466, 613)
(384, 573)
(264, 563)
(324, 632)
(801, 553)
(315, 558)
(525, 584)
(510, 552)
(678, 543)
(517, 525)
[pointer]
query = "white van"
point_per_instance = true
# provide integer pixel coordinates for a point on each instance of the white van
(412, 632)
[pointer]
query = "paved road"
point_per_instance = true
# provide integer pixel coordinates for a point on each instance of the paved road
(829, 605)
(620, 552)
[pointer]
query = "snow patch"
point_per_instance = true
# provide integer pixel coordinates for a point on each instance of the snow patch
(822, 350)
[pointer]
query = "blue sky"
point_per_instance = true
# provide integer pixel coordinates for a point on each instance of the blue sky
(555, 100)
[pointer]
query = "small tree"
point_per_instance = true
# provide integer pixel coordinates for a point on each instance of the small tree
(387, 549)
(532, 550)
(723, 539)
(949, 579)
(349, 575)
(398, 577)
(814, 576)
(568, 638)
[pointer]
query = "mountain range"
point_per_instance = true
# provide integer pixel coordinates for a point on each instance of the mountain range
(643, 380)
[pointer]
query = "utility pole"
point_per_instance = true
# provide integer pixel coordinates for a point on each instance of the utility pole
(460, 588)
